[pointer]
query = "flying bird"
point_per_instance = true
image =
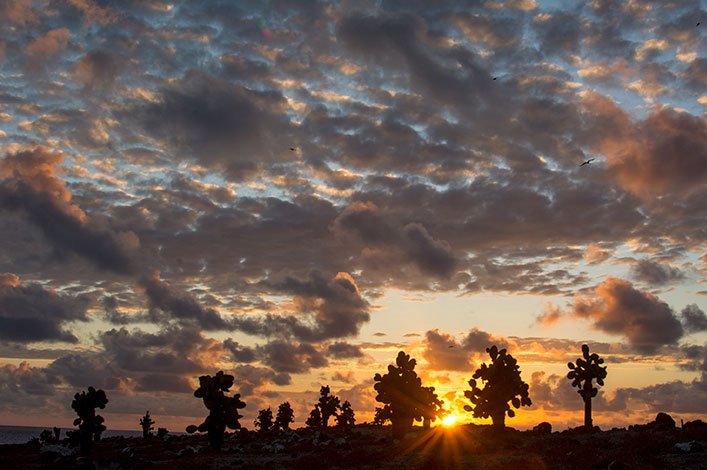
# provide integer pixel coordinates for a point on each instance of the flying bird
(293, 149)
(495, 78)
(588, 162)
(698, 23)
(450, 346)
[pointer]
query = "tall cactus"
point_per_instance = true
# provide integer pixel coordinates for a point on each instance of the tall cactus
(223, 410)
(285, 416)
(264, 421)
(431, 406)
(90, 424)
(346, 417)
(503, 385)
(581, 374)
(399, 389)
(146, 423)
(328, 404)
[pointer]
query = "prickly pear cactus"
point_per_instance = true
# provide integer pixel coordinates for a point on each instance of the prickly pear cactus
(285, 416)
(399, 389)
(328, 404)
(90, 424)
(223, 410)
(503, 385)
(582, 372)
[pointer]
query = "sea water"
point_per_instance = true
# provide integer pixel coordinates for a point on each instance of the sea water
(22, 434)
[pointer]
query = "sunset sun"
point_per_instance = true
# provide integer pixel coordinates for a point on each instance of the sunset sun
(449, 421)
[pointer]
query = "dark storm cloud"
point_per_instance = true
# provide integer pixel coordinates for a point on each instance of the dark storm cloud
(29, 185)
(221, 124)
(655, 274)
(31, 313)
(696, 357)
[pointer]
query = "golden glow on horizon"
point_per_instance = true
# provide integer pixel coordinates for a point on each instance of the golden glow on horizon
(449, 421)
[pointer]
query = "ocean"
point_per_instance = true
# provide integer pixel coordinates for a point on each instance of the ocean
(22, 434)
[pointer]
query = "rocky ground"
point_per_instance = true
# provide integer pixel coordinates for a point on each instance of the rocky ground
(652, 446)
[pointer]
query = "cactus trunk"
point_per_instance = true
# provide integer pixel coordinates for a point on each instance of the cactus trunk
(401, 426)
(426, 423)
(588, 406)
(499, 421)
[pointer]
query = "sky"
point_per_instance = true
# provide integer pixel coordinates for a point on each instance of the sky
(294, 191)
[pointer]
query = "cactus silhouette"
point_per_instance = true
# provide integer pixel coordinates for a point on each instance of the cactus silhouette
(146, 422)
(503, 385)
(581, 374)
(264, 421)
(431, 406)
(162, 432)
(284, 417)
(223, 410)
(382, 415)
(328, 404)
(346, 417)
(400, 389)
(90, 424)
(315, 418)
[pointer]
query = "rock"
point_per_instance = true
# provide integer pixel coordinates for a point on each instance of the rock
(689, 447)
(189, 450)
(618, 465)
(664, 420)
(543, 428)
(696, 424)
(51, 452)
(127, 452)
(85, 463)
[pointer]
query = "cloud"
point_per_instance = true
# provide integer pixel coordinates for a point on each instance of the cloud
(288, 357)
(618, 308)
(98, 69)
(29, 184)
(220, 124)
(394, 244)
(341, 350)
(443, 352)
(164, 299)
(667, 152)
(31, 313)
(655, 274)
(693, 319)
(40, 52)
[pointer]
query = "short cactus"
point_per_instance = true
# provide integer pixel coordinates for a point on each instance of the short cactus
(264, 421)
(90, 424)
(223, 410)
(146, 423)
(284, 417)
(503, 385)
(431, 406)
(346, 417)
(315, 418)
(382, 415)
(328, 404)
(581, 374)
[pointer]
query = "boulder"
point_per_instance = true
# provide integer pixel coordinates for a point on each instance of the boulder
(664, 420)
(543, 428)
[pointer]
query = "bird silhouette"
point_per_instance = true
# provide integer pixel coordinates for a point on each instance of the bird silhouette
(292, 149)
(495, 78)
(450, 346)
(587, 162)
(698, 23)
